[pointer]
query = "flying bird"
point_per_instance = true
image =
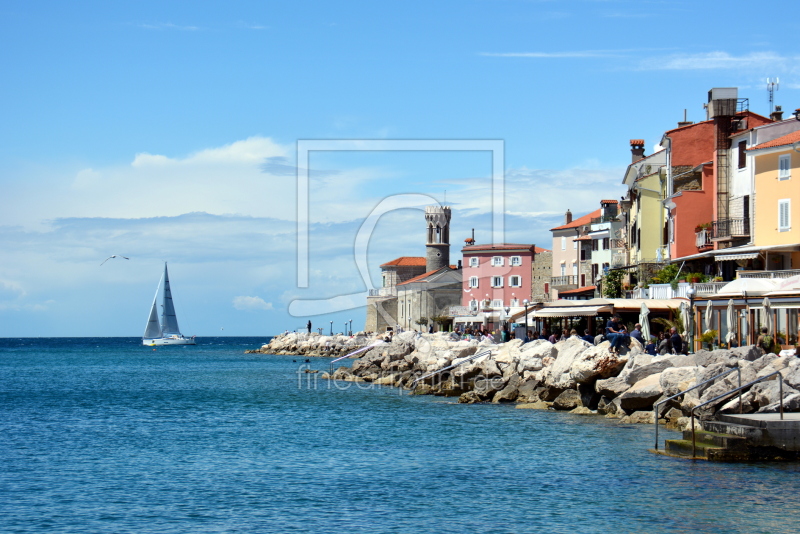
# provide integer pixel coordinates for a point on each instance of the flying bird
(114, 256)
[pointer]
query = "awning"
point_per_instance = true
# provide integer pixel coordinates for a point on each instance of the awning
(570, 311)
(733, 257)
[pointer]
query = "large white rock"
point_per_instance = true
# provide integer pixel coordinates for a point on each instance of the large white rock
(596, 362)
(676, 379)
(642, 394)
(557, 375)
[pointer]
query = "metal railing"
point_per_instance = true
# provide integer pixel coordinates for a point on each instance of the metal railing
(443, 369)
(768, 274)
(567, 280)
(730, 227)
(739, 389)
(383, 292)
(703, 238)
(604, 219)
(725, 373)
(362, 349)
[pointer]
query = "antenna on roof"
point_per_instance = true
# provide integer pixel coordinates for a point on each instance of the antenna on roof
(772, 86)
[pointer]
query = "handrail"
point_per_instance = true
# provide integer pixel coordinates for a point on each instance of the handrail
(362, 349)
(739, 389)
(729, 371)
(469, 359)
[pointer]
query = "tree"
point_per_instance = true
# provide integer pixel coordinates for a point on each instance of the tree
(676, 322)
(612, 284)
(422, 321)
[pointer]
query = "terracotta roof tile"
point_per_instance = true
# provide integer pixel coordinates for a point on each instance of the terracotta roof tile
(539, 250)
(406, 261)
(422, 276)
(580, 221)
(608, 202)
(497, 246)
(637, 142)
(577, 291)
(787, 139)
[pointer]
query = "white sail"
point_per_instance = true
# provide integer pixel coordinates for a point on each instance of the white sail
(153, 329)
(169, 321)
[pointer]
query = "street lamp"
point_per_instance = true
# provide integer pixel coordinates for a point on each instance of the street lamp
(331, 327)
(691, 292)
(525, 303)
(350, 330)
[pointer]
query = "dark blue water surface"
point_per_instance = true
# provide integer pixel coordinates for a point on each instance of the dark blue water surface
(104, 435)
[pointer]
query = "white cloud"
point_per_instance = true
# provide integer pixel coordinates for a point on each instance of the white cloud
(719, 60)
(251, 303)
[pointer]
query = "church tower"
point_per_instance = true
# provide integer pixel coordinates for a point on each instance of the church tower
(437, 250)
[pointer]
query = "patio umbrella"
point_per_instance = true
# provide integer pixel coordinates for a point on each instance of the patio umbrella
(730, 317)
(685, 316)
(709, 316)
(768, 313)
(644, 320)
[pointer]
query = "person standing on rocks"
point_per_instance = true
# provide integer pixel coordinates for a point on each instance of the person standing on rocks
(309, 326)
(676, 340)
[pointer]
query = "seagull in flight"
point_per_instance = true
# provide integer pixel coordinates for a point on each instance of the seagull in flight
(114, 256)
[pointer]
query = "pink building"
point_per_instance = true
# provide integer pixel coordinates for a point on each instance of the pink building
(497, 276)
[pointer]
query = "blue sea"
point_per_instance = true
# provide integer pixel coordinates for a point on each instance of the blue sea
(105, 435)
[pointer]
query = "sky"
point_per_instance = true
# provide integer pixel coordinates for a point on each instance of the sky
(169, 131)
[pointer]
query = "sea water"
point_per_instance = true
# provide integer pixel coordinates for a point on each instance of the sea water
(105, 435)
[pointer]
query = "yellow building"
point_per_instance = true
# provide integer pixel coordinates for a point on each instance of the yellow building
(777, 197)
(646, 216)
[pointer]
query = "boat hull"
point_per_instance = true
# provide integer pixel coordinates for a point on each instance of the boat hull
(168, 341)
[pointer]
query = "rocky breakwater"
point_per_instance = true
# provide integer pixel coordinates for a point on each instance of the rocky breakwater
(575, 376)
(313, 344)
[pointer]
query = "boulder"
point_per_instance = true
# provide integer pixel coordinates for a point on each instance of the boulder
(557, 375)
(509, 393)
(539, 405)
(639, 418)
(676, 379)
(527, 391)
(791, 403)
(582, 410)
(486, 388)
(612, 387)
(568, 399)
(596, 362)
(642, 394)
(470, 397)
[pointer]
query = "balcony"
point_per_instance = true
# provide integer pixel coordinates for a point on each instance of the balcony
(703, 239)
(604, 219)
(727, 228)
(383, 292)
(560, 281)
(768, 274)
(665, 291)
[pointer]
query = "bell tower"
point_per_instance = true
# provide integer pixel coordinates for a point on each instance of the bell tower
(437, 250)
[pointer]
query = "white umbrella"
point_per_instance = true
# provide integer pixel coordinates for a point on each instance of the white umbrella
(730, 316)
(709, 316)
(685, 316)
(644, 320)
(768, 314)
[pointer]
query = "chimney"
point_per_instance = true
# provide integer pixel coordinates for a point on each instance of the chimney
(776, 115)
(568, 217)
(637, 149)
(459, 264)
(684, 122)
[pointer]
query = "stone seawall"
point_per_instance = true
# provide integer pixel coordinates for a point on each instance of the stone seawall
(576, 376)
(313, 344)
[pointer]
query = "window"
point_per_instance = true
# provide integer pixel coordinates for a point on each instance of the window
(742, 154)
(515, 302)
(497, 281)
(473, 281)
(515, 281)
(474, 262)
(563, 270)
(497, 261)
(595, 244)
(563, 243)
(574, 245)
(574, 269)
(473, 305)
(606, 244)
(497, 303)
(583, 254)
(594, 271)
(516, 261)
(785, 167)
(784, 215)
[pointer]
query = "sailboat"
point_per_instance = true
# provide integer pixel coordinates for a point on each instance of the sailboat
(165, 331)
